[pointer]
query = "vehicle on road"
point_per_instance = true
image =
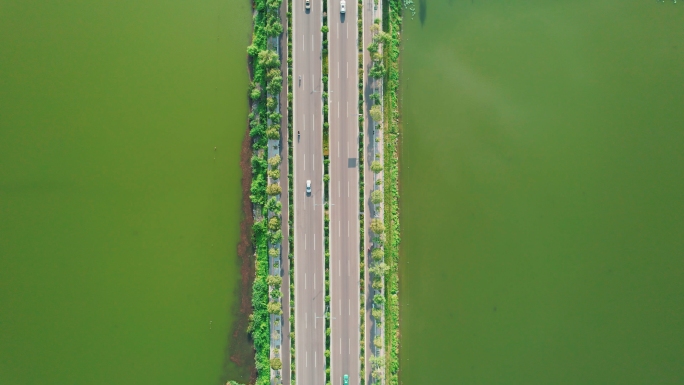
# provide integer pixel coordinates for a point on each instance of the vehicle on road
(308, 187)
(343, 6)
(307, 4)
(346, 379)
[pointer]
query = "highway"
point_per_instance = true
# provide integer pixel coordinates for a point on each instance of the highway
(344, 193)
(309, 258)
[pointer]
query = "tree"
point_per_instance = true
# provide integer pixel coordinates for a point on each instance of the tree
(377, 341)
(324, 29)
(274, 161)
(377, 71)
(373, 47)
(269, 59)
(376, 113)
(376, 197)
(274, 308)
(375, 97)
(377, 283)
(274, 189)
(276, 294)
(277, 236)
(274, 174)
(256, 93)
(273, 132)
(377, 254)
(274, 280)
(270, 103)
(376, 166)
(376, 224)
(375, 28)
(380, 269)
(274, 86)
(276, 364)
(376, 313)
(274, 223)
(273, 73)
(273, 253)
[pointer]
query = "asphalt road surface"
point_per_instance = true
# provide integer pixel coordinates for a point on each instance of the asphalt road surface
(309, 255)
(344, 193)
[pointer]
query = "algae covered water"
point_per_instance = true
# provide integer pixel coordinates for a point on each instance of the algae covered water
(542, 205)
(120, 132)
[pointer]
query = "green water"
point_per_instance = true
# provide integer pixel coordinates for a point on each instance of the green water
(542, 193)
(118, 220)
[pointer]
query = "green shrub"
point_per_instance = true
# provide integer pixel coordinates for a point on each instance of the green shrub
(376, 166)
(274, 223)
(274, 174)
(274, 161)
(274, 189)
(274, 280)
(274, 308)
(276, 364)
(376, 225)
(376, 113)
(377, 254)
(376, 197)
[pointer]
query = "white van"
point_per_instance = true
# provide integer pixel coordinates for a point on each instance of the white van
(343, 7)
(308, 187)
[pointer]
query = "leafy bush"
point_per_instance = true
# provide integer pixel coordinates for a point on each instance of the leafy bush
(274, 280)
(274, 308)
(274, 224)
(376, 166)
(274, 189)
(376, 113)
(377, 254)
(274, 161)
(274, 174)
(276, 364)
(376, 225)
(273, 133)
(376, 197)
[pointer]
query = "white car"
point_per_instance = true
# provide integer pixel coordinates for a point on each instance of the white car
(307, 4)
(308, 187)
(343, 6)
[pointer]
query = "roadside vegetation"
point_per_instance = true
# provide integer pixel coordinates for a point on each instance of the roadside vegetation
(362, 199)
(264, 123)
(290, 181)
(326, 183)
(393, 22)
